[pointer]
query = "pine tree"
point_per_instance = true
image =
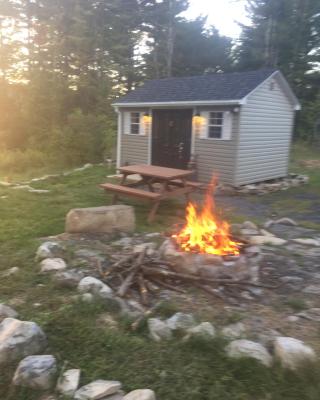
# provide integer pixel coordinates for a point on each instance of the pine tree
(285, 34)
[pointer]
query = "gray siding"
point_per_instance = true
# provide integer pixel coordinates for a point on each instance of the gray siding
(217, 157)
(266, 122)
(134, 148)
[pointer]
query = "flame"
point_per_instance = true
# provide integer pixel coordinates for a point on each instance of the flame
(204, 232)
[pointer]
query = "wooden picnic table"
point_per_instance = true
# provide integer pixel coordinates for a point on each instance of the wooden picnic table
(162, 183)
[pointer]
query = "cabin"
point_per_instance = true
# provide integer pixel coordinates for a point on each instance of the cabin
(237, 126)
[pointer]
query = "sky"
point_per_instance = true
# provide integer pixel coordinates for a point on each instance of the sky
(223, 14)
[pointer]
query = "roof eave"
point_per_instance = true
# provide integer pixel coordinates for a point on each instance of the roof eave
(180, 103)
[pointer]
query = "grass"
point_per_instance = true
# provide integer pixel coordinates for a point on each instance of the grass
(177, 370)
(296, 304)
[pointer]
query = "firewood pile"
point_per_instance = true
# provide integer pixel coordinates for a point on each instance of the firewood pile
(142, 276)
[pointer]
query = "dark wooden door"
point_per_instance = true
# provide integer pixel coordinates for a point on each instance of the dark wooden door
(171, 137)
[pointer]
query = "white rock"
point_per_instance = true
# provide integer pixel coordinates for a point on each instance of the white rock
(292, 318)
(159, 329)
(124, 242)
(286, 221)
(152, 235)
(69, 279)
(106, 219)
(19, 339)
(249, 225)
(87, 298)
(271, 240)
(313, 314)
(246, 348)
(181, 321)
(312, 289)
(69, 382)
(148, 247)
(205, 329)
(36, 372)
(97, 390)
(266, 233)
(268, 223)
(94, 286)
(234, 331)
(293, 352)
(7, 312)
(53, 265)
(307, 242)
(39, 191)
(249, 232)
(140, 394)
(49, 250)
(10, 272)
(117, 396)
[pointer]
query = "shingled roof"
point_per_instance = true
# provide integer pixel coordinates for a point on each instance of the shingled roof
(211, 87)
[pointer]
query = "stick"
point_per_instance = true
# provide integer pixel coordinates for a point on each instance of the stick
(174, 275)
(119, 264)
(136, 323)
(159, 262)
(128, 280)
(167, 285)
(143, 290)
(209, 290)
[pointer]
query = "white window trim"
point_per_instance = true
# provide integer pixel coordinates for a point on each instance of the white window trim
(215, 125)
(226, 126)
(127, 124)
(130, 123)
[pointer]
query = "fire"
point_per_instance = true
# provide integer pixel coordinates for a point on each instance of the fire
(204, 232)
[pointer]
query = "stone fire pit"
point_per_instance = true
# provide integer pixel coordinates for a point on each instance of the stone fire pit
(243, 266)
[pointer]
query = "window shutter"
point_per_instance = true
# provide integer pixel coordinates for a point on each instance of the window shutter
(227, 125)
(126, 123)
(203, 129)
(142, 127)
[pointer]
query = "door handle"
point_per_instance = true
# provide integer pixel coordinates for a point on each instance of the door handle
(180, 149)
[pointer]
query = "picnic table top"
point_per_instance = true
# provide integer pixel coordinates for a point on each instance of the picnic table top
(156, 171)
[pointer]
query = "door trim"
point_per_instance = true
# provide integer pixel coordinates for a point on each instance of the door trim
(150, 138)
(192, 137)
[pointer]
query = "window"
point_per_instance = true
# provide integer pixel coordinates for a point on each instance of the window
(134, 123)
(215, 125)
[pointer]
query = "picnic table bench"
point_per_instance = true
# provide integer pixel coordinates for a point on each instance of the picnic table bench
(162, 183)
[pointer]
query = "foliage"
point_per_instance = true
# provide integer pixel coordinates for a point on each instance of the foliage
(285, 34)
(63, 63)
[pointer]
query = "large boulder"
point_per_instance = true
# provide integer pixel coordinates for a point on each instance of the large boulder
(97, 390)
(19, 339)
(107, 219)
(246, 348)
(292, 352)
(140, 394)
(36, 372)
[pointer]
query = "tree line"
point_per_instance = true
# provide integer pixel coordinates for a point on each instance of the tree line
(62, 62)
